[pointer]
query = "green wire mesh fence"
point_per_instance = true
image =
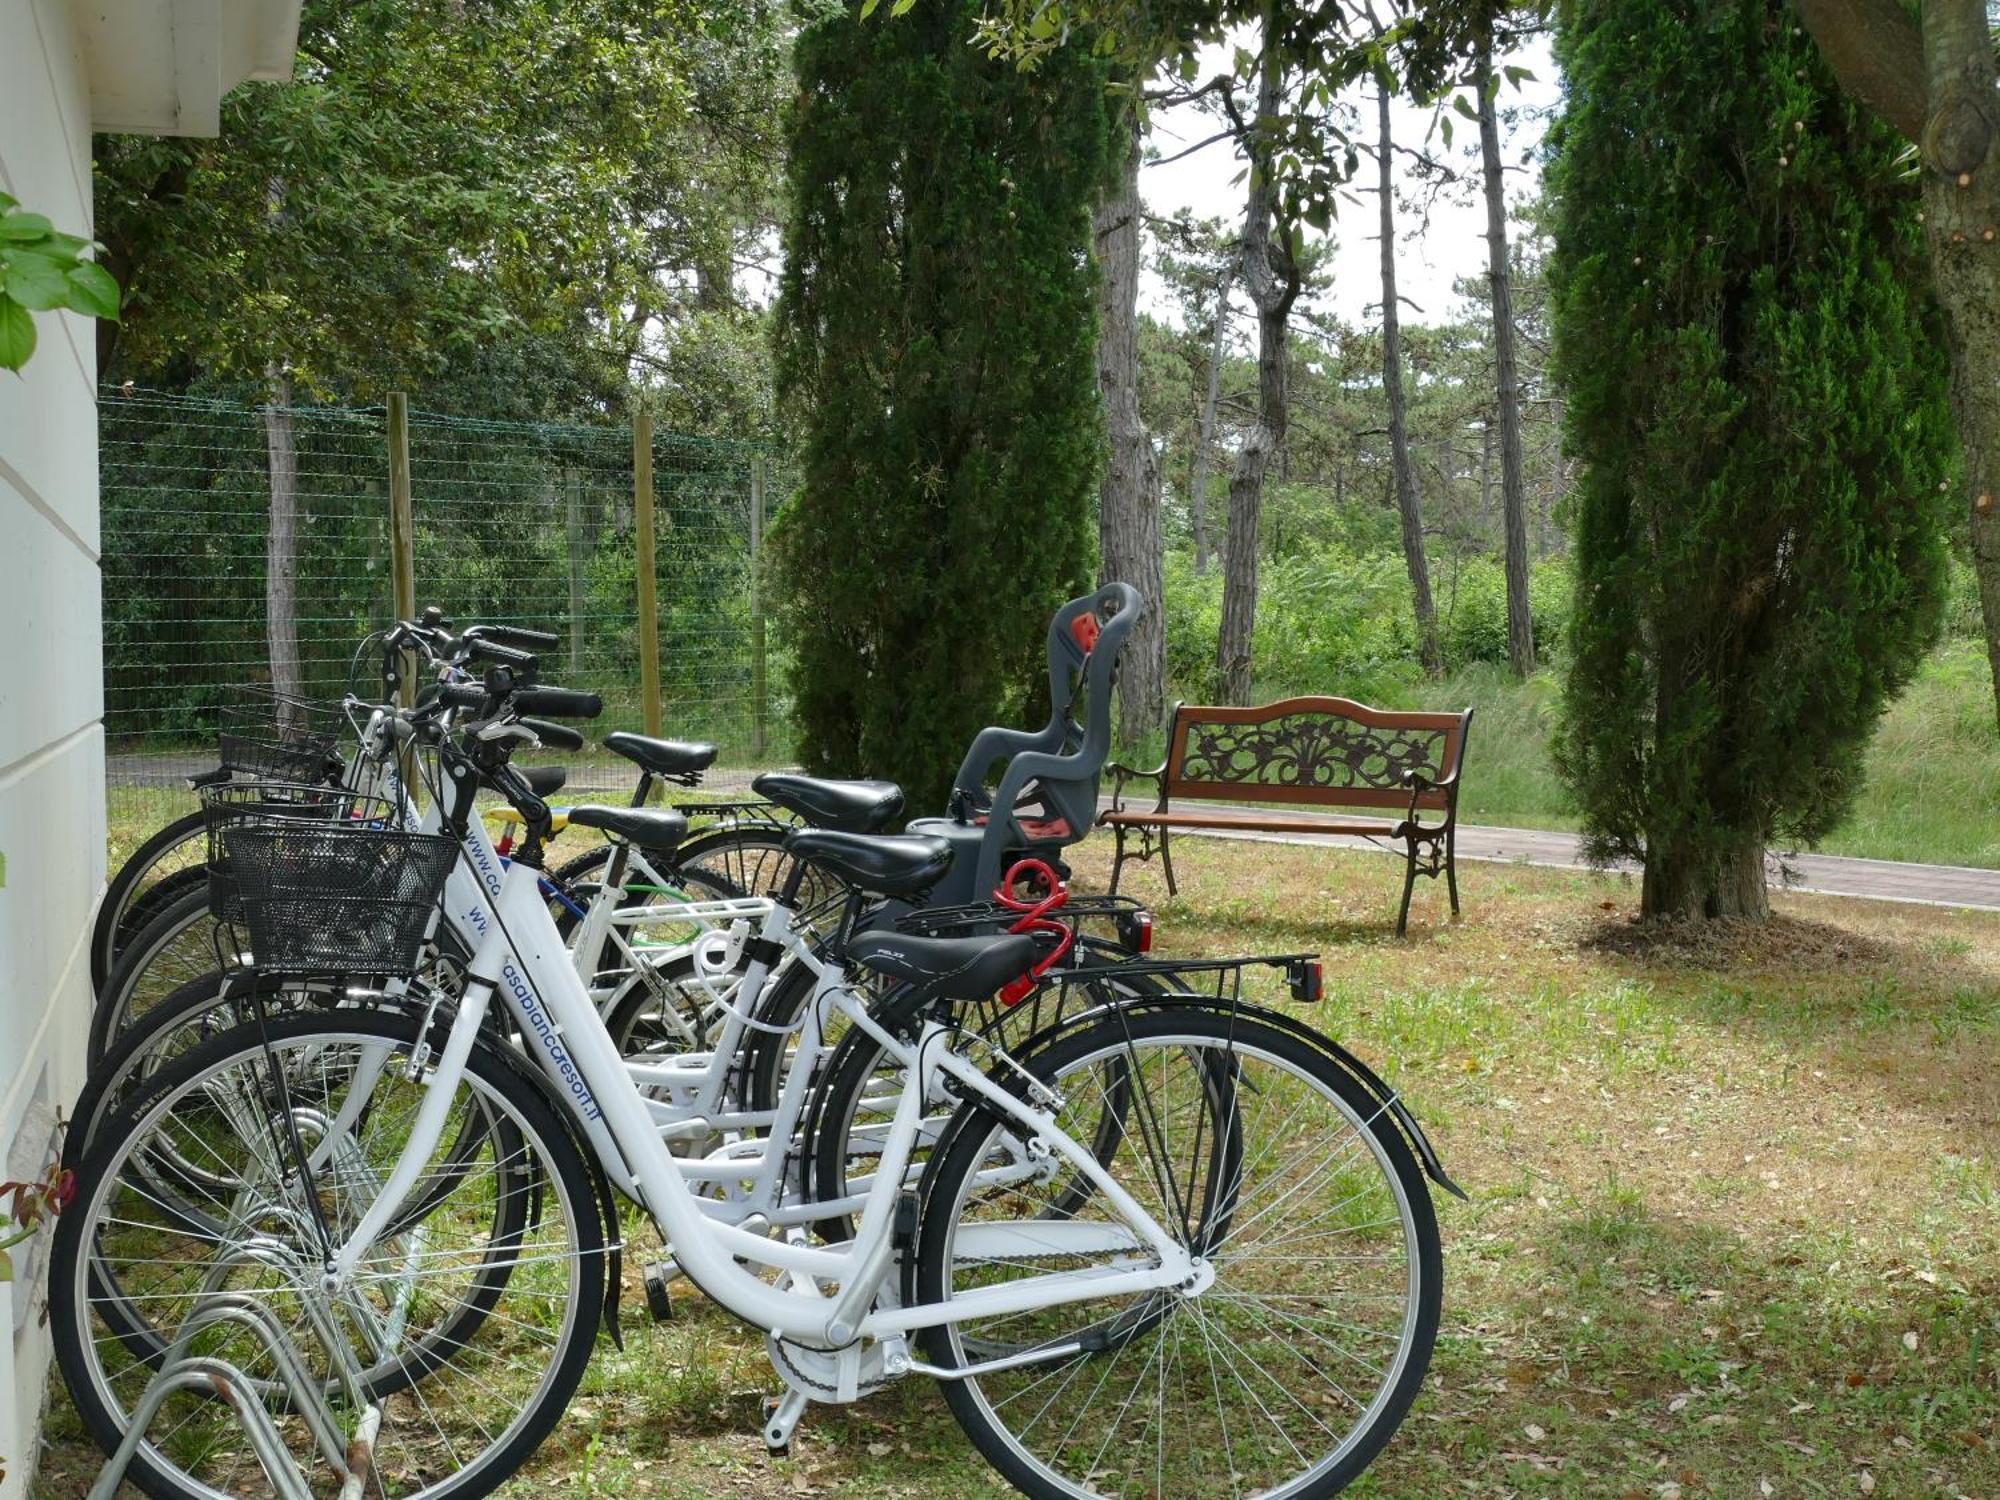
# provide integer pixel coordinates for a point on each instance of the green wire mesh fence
(533, 524)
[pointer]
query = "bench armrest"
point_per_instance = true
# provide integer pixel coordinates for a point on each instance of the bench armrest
(1122, 774)
(1419, 783)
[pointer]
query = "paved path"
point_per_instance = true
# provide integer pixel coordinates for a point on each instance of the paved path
(1826, 874)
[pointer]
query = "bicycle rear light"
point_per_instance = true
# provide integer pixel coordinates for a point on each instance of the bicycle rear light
(1308, 981)
(1135, 931)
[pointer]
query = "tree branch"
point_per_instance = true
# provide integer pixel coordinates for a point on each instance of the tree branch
(1876, 51)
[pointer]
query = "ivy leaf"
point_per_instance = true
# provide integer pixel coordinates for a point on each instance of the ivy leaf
(92, 291)
(17, 334)
(24, 226)
(36, 282)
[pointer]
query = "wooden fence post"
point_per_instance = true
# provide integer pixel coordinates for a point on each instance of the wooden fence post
(759, 689)
(402, 525)
(649, 610)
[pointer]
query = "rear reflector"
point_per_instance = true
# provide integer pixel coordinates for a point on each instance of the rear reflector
(1135, 931)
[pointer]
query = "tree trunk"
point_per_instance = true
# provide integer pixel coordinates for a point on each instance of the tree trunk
(1272, 280)
(1399, 433)
(1128, 516)
(1198, 487)
(1933, 79)
(1961, 153)
(1485, 476)
(1683, 885)
(281, 545)
(1513, 490)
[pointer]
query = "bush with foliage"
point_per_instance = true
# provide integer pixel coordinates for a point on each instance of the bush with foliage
(1756, 410)
(936, 342)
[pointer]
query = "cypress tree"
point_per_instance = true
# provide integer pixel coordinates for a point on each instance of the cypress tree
(936, 334)
(1756, 415)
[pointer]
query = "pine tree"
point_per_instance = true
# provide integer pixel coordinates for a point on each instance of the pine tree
(936, 348)
(1756, 411)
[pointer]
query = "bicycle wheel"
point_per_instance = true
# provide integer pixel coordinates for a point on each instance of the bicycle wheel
(182, 942)
(193, 1013)
(469, 1327)
(1281, 1377)
(180, 846)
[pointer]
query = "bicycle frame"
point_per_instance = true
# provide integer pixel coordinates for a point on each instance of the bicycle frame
(521, 959)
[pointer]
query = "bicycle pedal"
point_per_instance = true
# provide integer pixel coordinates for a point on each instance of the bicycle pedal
(659, 1302)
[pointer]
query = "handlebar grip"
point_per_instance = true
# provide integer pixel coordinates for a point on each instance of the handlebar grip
(555, 736)
(561, 703)
(503, 656)
(462, 695)
(520, 637)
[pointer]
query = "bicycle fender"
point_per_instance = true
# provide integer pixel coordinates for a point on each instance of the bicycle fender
(1391, 1102)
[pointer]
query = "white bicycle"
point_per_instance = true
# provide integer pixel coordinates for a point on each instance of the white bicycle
(1173, 1247)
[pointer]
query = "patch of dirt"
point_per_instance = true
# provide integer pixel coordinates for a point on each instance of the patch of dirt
(1793, 945)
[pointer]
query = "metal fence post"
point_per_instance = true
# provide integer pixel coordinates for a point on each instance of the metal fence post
(573, 506)
(649, 612)
(759, 705)
(402, 524)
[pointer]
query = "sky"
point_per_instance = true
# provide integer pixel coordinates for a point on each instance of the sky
(1430, 256)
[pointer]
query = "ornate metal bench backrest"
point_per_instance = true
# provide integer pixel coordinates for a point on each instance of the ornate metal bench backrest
(1318, 751)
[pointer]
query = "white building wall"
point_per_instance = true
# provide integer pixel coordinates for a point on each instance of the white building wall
(51, 680)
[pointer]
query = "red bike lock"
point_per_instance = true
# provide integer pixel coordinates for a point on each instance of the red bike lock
(1034, 918)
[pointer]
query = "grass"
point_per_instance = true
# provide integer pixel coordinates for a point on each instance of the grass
(1734, 1226)
(1933, 767)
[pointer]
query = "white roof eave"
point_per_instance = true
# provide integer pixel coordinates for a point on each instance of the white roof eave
(161, 67)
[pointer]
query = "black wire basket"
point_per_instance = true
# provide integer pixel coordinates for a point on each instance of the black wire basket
(264, 733)
(238, 801)
(349, 895)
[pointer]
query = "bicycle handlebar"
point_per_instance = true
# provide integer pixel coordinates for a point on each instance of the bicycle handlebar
(555, 736)
(561, 703)
(483, 648)
(520, 637)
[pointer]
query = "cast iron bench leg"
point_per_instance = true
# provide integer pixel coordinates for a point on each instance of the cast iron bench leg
(1409, 883)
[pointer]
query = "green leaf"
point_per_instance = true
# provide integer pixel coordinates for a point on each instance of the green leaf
(901, 7)
(1444, 129)
(1518, 75)
(24, 226)
(1190, 68)
(1458, 103)
(36, 282)
(17, 334)
(868, 8)
(92, 291)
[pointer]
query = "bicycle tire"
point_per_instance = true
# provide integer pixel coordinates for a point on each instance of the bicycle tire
(556, 1187)
(1231, 1326)
(116, 921)
(179, 944)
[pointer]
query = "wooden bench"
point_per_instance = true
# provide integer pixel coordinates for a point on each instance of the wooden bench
(1301, 752)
